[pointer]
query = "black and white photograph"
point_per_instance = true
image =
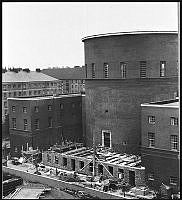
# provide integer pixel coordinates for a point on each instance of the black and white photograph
(90, 100)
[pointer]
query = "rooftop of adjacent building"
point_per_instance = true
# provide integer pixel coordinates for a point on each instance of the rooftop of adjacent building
(172, 103)
(24, 76)
(76, 73)
(128, 33)
(46, 97)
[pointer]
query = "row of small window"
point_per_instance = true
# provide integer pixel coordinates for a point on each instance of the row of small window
(24, 93)
(123, 69)
(24, 85)
(36, 123)
(173, 120)
(36, 108)
(173, 141)
(173, 180)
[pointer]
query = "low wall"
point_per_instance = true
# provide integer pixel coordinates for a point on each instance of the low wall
(58, 183)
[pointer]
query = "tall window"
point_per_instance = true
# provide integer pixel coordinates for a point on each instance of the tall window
(123, 69)
(174, 142)
(61, 106)
(106, 69)
(174, 121)
(24, 109)
(5, 95)
(93, 70)
(30, 93)
(14, 94)
(143, 69)
(162, 68)
(106, 138)
(14, 123)
(13, 108)
(25, 125)
(50, 122)
(151, 119)
(151, 139)
(37, 124)
(56, 160)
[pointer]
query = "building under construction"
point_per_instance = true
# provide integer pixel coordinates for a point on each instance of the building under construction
(102, 161)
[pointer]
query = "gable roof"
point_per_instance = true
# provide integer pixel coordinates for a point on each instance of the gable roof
(66, 73)
(23, 76)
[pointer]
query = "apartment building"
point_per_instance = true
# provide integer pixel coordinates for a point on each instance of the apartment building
(72, 80)
(26, 83)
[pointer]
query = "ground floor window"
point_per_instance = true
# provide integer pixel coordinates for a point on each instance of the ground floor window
(81, 164)
(106, 138)
(110, 169)
(120, 173)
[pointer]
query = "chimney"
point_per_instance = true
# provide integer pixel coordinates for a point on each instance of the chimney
(38, 70)
(26, 70)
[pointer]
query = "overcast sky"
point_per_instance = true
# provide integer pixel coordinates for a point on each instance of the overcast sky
(49, 34)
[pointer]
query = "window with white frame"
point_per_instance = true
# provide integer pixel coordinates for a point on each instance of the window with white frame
(162, 68)
(13, 108)
(106, 138)
(174, 142)
(173, 180)
(174, 121)
(49, 107)
(48, 158)
(56, 159)
(151, 119)
(106, 70)
(24, 109)
(151, 139)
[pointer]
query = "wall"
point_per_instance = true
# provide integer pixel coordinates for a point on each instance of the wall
(122, 99)
(58, 183)
(67, 122)
(160, 160)
(139, 172)
(132, 49)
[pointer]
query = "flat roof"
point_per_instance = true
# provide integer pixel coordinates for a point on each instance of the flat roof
(45, 97)
(174, 103)
(128, 33)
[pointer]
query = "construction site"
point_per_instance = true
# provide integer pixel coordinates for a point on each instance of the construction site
(84, 172)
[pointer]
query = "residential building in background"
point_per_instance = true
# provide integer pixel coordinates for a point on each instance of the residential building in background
(124, 70)
(44, 121)
(26, 84)
(72, 80)
(160, 142)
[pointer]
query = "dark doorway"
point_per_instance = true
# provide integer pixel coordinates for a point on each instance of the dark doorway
(73, 164)
(106, 139)
(100, 169)
(110, 169)
(132, 178)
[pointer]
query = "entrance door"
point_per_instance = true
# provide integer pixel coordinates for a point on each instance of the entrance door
(106, 138)
(132, 178)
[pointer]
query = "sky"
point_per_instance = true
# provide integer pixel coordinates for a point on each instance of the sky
(45, 34)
